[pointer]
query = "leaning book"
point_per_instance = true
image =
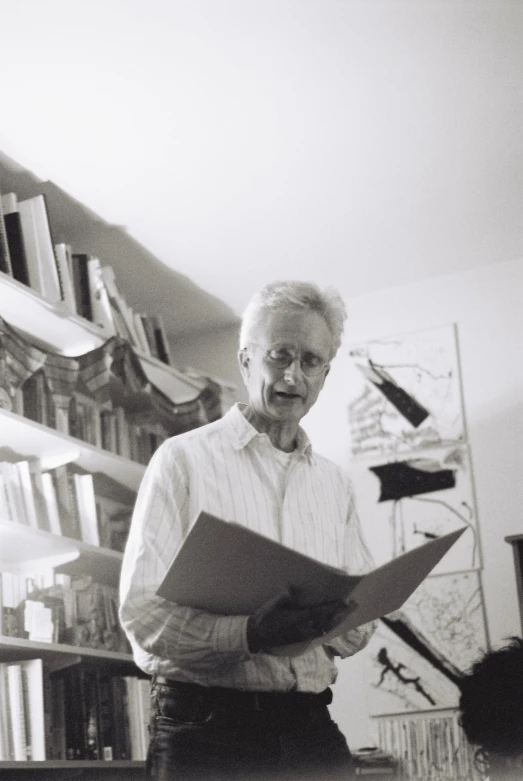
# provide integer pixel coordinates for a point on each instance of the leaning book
(225, 568)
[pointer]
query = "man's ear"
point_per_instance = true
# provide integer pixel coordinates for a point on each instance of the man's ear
(327, 370)
(243, 360)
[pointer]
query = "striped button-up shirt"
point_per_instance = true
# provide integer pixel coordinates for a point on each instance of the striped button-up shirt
(229, 469)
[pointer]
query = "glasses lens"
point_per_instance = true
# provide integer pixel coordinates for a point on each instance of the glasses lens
(281, 357)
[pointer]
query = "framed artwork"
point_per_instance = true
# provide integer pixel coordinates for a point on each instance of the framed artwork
(405, 393)
(417, 654)
(407, 502)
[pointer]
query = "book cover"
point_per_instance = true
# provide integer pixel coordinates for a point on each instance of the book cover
(15, 240)
(5, 257)
(82, 290)
(48, 489)
(102, 313)
(7, 749)
(86, 503)
(32, 672)
(41, 262)
(13, 491)
(58, 748)
(65, 491)
(160, 337)
(16, 706)
(64, 264)
(24, 478)
(140, 331)
(150, 336)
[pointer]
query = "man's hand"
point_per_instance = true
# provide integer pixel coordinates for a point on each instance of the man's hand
(282, 621)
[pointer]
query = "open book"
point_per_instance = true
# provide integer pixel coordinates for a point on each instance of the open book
(225, 568)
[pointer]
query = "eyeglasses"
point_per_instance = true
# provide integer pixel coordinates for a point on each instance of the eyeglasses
(281, 357)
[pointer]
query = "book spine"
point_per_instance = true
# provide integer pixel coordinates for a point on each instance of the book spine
(49, 268)
(15, 242)
(16, 705)
(101, 308)
(5, 257)
(81, 285)
(63, 263)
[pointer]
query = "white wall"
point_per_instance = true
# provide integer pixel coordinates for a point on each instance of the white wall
(487, 306)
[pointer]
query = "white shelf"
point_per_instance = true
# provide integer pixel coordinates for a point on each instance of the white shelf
(24, 549)
(73, 764)
(58, 654)
(27, 311)
(54, 327)
(22, 437)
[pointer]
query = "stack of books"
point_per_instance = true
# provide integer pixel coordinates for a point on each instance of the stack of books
(79, 713)
(76, 281)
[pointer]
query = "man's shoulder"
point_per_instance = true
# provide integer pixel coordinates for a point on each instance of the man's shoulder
(330, 468)
(207, 432)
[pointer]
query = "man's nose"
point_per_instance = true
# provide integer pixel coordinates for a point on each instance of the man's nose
(293, 370)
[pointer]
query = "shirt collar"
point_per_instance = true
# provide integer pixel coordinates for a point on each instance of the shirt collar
(242, 432)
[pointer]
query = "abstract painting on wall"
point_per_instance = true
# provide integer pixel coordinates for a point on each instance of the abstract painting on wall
(408, 502)
(418, 653)
(405, 393)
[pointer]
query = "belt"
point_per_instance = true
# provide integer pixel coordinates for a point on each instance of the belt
(240, 698)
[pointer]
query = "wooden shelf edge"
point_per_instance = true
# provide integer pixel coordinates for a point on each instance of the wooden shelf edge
(31, 646)
(82, 334)
(91, 458)
(55, 764)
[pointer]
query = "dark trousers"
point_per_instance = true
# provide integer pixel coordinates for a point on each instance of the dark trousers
(210, 734)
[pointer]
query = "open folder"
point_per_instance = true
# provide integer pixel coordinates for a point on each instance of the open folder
(225, 568)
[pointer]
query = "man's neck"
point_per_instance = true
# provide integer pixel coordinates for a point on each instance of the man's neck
(281, 435)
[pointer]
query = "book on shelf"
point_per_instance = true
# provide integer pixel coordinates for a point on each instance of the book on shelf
(5, 257)
(140, 330)
(22, 469)
(13, 492)
(63, 254)
(157, 337)
(82, 290)
(93, 719)
(35, 395)
(67, 502)
(24, 710)
(101, 310)
(46, 501)
(15, 698)
(15, 238)
(11, 594)
(86, 505)
(122, 316)
(39, 247)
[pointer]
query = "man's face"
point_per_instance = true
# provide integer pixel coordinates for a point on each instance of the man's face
(285, 394)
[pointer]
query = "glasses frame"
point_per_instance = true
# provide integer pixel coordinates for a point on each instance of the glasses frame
(296, 353)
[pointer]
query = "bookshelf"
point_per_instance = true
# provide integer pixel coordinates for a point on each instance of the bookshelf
(27, 551)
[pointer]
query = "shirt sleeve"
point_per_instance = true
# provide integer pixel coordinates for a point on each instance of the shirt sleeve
(185, 636)
(357, 560)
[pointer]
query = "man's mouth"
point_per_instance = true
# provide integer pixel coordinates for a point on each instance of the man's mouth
(287, 395)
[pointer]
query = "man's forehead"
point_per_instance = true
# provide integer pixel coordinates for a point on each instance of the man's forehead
(294, 326)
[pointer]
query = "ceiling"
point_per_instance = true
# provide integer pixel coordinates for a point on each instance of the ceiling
(361, 143)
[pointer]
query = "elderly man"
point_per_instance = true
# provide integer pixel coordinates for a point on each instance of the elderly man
(224, 705)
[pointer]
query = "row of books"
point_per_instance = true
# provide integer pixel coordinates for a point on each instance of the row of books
(63, 501)
(428, 746)
(101, 425)
(103, 397)
(80, 712)
(76, 281)
(60, 608)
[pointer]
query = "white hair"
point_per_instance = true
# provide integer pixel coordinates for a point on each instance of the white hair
(290, 295)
